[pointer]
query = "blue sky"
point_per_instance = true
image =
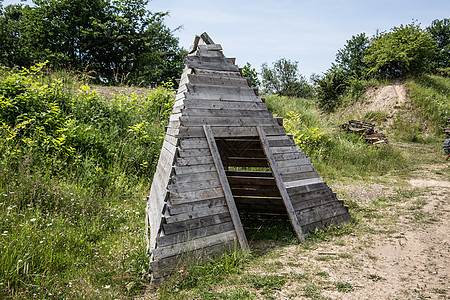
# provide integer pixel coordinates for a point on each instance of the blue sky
(310, 32)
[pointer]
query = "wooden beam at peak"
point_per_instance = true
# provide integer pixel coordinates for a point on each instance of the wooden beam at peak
(226, 188)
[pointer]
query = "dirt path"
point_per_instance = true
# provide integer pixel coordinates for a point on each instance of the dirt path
(400, 248)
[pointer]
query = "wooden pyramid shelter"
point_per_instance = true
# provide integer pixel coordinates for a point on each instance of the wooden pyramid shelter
(225, 155)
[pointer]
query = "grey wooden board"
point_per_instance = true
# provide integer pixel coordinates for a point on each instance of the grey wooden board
(241, 180)
(256, 191)
(296, 169)
(293, 162)
(194, 153)
(259, 200)
(211, 63)
(192, 245)
(221, 104)
(245, 162)
(210, 47)
(221, 97)
(196, 223)
(285, 149)
(194, 169)
(262, 208)
(191, 196)
(219, 121)
(193, 234)
(320, 212)
(230, 113)
(313, 200)
(335, 220)
(227, 131)
(216, 80)
(196, 214)
(289, 156)
(302, 182)
(166, 266)
(220, 73)
(193, 143)
(189, 178)
(300, 176)
(226, 189)
(180, 187)
(211, 91)
(301, 189)
(195, 206)
(279, 181)
(250, 173)
(193, 161)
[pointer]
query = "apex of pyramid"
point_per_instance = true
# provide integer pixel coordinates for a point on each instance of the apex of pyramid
(205, 41)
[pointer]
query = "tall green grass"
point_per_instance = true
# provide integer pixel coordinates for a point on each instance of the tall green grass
(74, 171)
(334, 152)
(431, 94)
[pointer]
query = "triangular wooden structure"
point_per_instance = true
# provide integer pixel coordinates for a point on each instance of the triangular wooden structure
(219, 129)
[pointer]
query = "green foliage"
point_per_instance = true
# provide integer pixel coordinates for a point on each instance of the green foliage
(405, 50)
(283, 79)
(118, 41)
(351, 58)
(330, 87)
(250, 73)
(440, 32)
(74, 169)
(431, 94)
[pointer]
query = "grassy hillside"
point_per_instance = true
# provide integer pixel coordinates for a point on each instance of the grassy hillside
(75, 168)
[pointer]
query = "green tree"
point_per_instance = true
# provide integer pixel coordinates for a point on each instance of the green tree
(405, 50)
(119, 40)
(250, 73)
(330, 86)
(285, 80)
(440, 32)
(351, 58)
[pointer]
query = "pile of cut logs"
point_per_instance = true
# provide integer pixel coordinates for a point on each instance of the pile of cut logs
(367, 130)
(447, 141)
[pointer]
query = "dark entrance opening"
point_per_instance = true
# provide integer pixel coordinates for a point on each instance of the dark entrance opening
(253, 186)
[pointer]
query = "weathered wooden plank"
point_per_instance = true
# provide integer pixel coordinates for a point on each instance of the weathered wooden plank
(197, 214)
(196, 223)
(227, 131)
(193, 234)
(195, 206)
(281, 142)
(211, 91)
(258, 191)
(193, 161)
(236, 112)
(334, 220)
(226, 189)
(242, 180)
(198, 195)
(166, 266)
(288, 156)
(217, 73)
(192, 245)
(312, 200)
(222, 104)
(296, 169)
(219, 121)
(216, 80)
(303, 189)
(293, 162)
(222, 96)
(301, 183)
(319, 213)
(301, 176)
(210, 47)
(194, 169)
(211, 63)
(193, 143)
(262, 208)
(259, 200)
(245, 162)
(249, 173)
(189, 178)
(280, 184)
(182, 187)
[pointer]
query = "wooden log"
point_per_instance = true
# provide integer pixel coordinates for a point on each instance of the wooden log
(280, 184)
(189, 235)
(226, 189)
